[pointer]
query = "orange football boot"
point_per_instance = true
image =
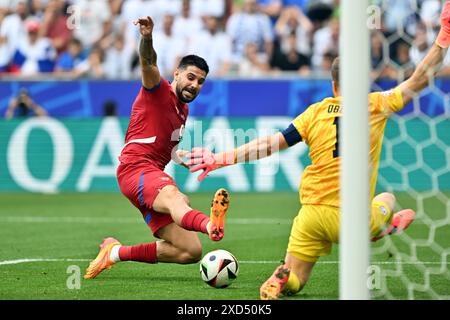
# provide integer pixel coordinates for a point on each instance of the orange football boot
(102, 261)
(219, 209)
(273, 286)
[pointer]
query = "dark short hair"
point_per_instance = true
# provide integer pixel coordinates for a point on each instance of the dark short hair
(335, 70)
(193, 60)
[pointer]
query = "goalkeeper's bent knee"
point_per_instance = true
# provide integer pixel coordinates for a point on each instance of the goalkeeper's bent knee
(292, 286)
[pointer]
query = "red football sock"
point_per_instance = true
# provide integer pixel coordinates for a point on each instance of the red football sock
(142, 252)
(195, 220)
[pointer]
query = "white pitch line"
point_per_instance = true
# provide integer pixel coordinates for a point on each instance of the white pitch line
(31, 260)
(37, 219)
(373, 262)
(18, 261)
(43, 219)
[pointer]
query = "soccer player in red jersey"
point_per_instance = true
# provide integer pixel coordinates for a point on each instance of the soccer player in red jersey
(157, 120)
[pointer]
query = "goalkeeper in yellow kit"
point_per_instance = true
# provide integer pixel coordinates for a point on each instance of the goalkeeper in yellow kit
(316, 226)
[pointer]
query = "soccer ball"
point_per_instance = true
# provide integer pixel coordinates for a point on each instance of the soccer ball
(219, 268)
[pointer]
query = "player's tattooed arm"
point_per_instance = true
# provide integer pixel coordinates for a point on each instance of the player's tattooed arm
(147, 54)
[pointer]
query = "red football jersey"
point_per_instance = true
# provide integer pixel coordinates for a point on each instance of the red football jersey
(156, 125)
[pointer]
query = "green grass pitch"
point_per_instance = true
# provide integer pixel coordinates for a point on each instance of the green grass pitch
(65, 230)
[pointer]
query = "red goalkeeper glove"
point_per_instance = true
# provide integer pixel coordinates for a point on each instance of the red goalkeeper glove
(443, 38)
(203, 159)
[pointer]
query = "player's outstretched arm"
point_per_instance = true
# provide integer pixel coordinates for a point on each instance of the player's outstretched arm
(429, 66)
(203, 159)
(147, 54)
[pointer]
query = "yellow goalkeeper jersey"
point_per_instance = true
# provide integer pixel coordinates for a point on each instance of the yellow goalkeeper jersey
(318, 127)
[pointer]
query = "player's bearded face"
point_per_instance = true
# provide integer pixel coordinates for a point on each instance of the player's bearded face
(186, 93)
(189, 84)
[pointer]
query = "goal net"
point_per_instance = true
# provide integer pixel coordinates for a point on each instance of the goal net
(415, 161)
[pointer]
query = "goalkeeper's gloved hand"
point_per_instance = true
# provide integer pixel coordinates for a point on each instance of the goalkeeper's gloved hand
(202, 159)
(443, 38)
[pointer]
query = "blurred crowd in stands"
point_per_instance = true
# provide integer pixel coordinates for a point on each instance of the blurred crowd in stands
(242, 38)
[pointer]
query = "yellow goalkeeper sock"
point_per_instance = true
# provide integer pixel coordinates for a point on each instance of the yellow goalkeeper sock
(292, 286)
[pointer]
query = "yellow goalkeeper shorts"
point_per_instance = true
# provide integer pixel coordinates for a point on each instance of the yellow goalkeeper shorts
(316, 228)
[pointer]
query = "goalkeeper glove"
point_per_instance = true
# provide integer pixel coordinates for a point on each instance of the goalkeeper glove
(203, 159)
(443, 38)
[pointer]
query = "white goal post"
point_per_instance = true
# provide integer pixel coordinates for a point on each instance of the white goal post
(354, 149)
